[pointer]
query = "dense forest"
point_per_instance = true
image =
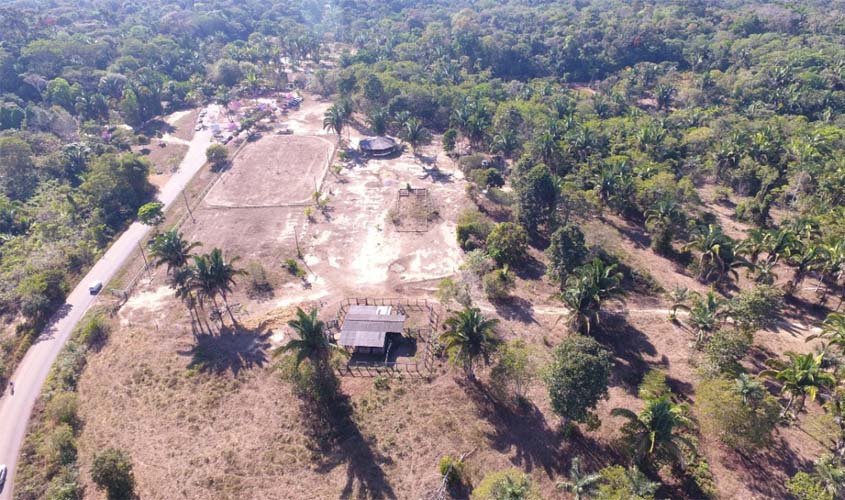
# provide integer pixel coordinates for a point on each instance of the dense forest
(584, 109)
(72, 76)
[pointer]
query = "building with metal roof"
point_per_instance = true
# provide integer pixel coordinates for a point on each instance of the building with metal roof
(365, 328)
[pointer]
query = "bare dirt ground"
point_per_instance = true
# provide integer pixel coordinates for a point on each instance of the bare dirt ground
(276, 170)
(209, 418)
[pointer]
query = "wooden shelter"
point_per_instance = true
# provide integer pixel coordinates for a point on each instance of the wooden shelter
(365, 328)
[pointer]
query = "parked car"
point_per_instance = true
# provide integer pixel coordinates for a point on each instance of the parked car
(2, 477)
(95, 287)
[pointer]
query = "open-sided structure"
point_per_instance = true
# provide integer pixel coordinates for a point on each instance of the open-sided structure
(377, 146)
(365, 328)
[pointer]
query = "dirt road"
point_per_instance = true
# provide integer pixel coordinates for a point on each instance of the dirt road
(35, 366)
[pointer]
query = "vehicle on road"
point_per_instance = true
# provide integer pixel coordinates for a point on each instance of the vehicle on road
(95, 287)
(2, 477)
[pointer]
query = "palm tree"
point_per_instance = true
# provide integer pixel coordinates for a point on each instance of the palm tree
(663, 95)
(705, 315)
(414, 133)
(654, 433)
(764, 273)
(833, 331)
(468, 337)
(679, 297)
(662, 218)
(749, 388)
(505, 143)
(180, 281)
(171, 249)
(639, 484)
(313, 344)
(203, 282)
(377, 121)
(334, 120)
(579, 483)
(802, 376)
(223, 275)
(809, 257)
(585, 291)
(718, 255)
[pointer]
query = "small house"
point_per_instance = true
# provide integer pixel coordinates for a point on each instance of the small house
(365, 329)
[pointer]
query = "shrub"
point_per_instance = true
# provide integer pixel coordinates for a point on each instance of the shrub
(59, 448)
(619, 483)
(294, 268)
(63, 408)
(452, 469)
(487, 177)
(217, 155)
(507, 244)
(476, 264)
(112, 471)
(757, 308)
(804, 486)
(470, 162)
(151, 214)
(509, 484)
(448, 290)
(259, 285)
(94, 331)
(498, 284)
(472, 230)
(724, 415)
(724, 350)
(514, 370)
(450, 136)
(653, 385)
(65, 486)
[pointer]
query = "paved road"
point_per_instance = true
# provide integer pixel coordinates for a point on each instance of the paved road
(35, 366)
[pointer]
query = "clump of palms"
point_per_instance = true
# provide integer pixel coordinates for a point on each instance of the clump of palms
(581, 485)
(213, 275)
(655, 434)
(662, 220)
(586, 289)
(706, 315)
(718, 259)
(469, 339)
(801, 376)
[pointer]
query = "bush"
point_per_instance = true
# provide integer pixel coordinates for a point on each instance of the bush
(507, 244)
(259, 285)
(472, 230)
(63, 408)
(488, 177)
(94, 331)
(498, 284)
(112, 471)
(294, 268)
(452, 469)
(804, 486)
(724, 415)
(450, 136)
(757, 308)
(59, 447)
(217, 155)
(65, 486)
(724, 350)
(619, 483)
(448, 290)
(653, 385)
(470, 162)
(509, 484)
(514, 370)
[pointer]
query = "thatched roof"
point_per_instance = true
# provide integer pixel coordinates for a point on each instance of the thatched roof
(379, 143)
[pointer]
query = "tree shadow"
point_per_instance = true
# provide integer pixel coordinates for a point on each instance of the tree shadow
(155, 127)
(232, 350)
(628, 344)
(635, 234)
(759, 466)
(515, 308)
(530, 268)
(522, 432)
(49, 330)
(345, 444)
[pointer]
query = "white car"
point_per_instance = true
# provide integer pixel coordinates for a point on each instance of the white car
(95, 287)
(2, 477)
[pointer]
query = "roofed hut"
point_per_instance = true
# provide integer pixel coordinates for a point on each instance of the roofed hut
(365, 329)
(377, 146)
